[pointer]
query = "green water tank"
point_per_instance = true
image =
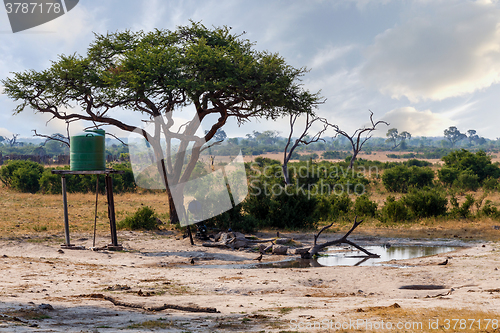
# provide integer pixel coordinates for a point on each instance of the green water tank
(87, 151)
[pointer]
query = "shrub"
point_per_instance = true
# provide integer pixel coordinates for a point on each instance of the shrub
(448, 175)
(478, 164)
(341, 204)
(415, 162)
(331, 155)
(401, 178)
(144, 219)
(307, 157)
(394, 211)
(364, 206)
(489, 210)
(425, 203)
(467, 181)
(233, 219)
(464, 209)
(283, 208)
(490, 184)
(50, 183)
(261, 161)
(22, 175)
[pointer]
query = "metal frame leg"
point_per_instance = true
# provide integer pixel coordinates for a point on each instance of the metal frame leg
(111, 213)
(66, 219)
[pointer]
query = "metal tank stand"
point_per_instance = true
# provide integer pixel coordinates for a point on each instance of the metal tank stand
(114, 246)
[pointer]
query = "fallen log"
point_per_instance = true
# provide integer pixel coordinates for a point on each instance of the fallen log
(316, 248)
(151, 308)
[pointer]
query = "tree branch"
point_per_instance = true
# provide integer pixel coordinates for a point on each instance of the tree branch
(318, 247)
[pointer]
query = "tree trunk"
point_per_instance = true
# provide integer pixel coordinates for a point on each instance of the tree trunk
(286, 176)
(174, 218)
(353, 158)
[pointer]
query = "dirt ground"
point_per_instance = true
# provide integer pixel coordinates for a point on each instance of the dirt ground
(46, 289)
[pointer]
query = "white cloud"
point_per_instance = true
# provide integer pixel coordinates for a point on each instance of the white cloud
(418, 123)
(450, 50)
(330, 54)
(5, 132)
(153, 14)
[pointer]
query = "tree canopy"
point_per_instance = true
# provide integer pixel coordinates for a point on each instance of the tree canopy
(155, 73)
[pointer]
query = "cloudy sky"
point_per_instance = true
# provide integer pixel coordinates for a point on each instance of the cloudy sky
(422, 65)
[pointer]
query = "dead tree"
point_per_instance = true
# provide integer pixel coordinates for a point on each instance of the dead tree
(12, 142)
(316, 248)
(357, 139)
(302, 139)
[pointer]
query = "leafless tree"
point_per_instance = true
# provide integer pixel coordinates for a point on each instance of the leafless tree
(316, 248)
(12, 142)
(303, 139)
(360, 136)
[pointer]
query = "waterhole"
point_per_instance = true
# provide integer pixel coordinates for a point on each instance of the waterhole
(353, 257)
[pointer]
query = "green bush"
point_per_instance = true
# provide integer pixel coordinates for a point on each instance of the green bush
(478, 164)
(307, 157)
(51, 184)
(22, 175)
(233, 219)
(490, 184)
(364, 206)
(415, 162)
(448, 175)
(467, 181)
(489, 210)
(283, 208)
(341, 204)
(394, 211)
(143, 219)
(464, 209)
(425, 203)
(401, 178)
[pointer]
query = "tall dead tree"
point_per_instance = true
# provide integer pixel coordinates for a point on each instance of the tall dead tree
(360, 136)
(302, 139)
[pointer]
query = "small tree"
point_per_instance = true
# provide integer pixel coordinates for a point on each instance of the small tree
(359, 137)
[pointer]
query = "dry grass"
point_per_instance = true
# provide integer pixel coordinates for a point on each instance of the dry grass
(427, 320)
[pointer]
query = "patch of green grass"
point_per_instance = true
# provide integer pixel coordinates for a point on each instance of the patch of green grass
(285, 310)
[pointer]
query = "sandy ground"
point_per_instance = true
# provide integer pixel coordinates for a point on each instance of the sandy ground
(155, 269)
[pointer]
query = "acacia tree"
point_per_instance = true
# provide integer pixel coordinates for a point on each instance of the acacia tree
(397, 139)
(359, 137)
(303, 139)
(453, 135)
(213, 71)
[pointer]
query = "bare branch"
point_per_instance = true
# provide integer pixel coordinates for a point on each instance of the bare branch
(357, 139)
(287, 154)
(316, 248)
(54, 137)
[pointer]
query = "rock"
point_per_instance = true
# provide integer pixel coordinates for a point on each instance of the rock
(282, 240)
(280, 249)
(237, 243)
(45, 306)
(302, 250)
(262, 248)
